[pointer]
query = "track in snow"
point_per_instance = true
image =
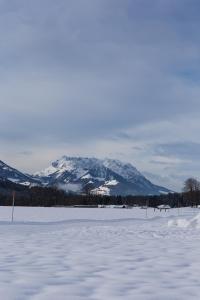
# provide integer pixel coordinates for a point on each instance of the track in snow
(80, 254)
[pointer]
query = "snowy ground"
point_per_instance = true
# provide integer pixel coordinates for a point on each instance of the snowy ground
(97, 254)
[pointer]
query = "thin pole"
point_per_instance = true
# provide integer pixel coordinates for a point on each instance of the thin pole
(13, 206)
(146, 208)
(178, 208)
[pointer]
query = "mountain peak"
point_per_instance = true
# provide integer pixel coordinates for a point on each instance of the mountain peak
(11, 174)
(126, 170)
(81, 174)
(104, 176)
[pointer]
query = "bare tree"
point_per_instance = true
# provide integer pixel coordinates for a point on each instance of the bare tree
(192, 189)
(191, 185)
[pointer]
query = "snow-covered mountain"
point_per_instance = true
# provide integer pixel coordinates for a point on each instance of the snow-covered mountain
(11, 174)
(105, 177)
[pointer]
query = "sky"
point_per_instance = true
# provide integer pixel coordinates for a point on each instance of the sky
(103, 78)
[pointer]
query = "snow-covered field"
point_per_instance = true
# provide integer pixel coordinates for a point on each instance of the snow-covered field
(97, 254)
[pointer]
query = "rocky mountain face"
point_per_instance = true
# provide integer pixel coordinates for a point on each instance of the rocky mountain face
(13, 175)
(95, 176)
(87, 175)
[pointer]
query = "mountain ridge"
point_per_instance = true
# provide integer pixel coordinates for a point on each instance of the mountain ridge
(100, 176)
(12, 174)
(85, 175)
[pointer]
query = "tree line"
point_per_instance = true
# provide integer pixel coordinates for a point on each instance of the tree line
(52, 196)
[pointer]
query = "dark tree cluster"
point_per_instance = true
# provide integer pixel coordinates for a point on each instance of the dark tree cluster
(191, 192)
(46, 196)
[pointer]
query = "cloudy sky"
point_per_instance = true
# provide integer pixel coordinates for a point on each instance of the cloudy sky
(105, 78)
